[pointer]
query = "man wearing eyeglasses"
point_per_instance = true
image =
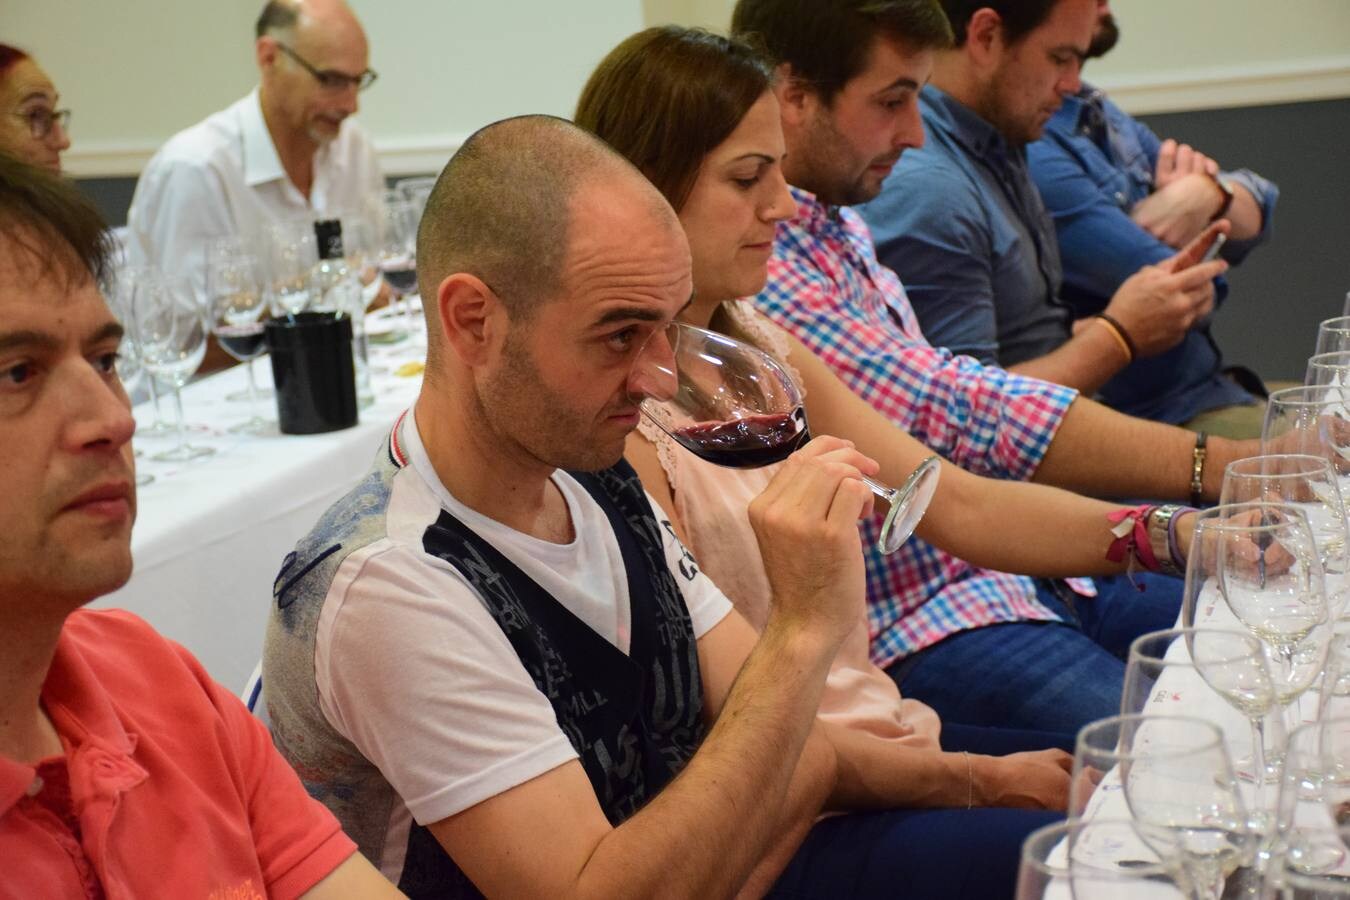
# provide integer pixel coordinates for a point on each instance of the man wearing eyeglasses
(286, 151)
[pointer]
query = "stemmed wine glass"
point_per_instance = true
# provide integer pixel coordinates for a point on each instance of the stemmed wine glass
(1330, 370)
(1303, 813)
(733, 405)
(398, 254)
(1307, 483)
(121, 302)
(1175, 776)
(1226, 662)
(1258, 563)
(1333, 335)
(416, 190)
(171, 331)
(237, 308)
(292, 255)
(1312, 419)
(1099, 859)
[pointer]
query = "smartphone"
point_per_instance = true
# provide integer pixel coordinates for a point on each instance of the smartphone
(1214, 248)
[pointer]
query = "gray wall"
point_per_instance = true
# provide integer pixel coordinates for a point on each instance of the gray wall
(1302, 274)
(1285, 288)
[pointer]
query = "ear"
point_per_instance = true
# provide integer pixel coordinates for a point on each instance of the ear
(794, 95)
(984, 37)
(265, 51)
(469, 314)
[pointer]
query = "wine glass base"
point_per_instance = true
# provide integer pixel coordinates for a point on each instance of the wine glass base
(264, 393)
(156, 429)
(911, 502)
(256, 426)
(186, 453)
(1313, 857)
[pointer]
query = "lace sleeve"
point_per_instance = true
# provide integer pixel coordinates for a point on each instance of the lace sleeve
(751, 325)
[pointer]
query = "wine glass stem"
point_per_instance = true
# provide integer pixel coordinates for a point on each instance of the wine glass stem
(182, 425)
(889, 494)
(1259, 764)
(252, 391)
(154, 398)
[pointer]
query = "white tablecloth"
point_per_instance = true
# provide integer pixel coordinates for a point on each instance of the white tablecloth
(210, 534)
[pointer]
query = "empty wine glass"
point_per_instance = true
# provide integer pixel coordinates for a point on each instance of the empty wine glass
(1099, 859)
(1174, 775)
(1257, 565)
(237, 306)
(733, 405)
(1309, 484)
(416, 190)
(1331, 369)
(119, 301)
(1305, 832)
(292, 255)
(1334, 698)
(1333, 335)
(171, 332)
(1203, 662)
(1310, 419)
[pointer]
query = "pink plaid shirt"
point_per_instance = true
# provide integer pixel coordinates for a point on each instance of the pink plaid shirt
(827, 288)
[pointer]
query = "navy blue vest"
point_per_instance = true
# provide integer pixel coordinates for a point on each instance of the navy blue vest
(634, 720)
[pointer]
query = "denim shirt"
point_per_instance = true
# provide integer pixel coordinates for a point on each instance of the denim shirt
(960, 221)
(1093, 164)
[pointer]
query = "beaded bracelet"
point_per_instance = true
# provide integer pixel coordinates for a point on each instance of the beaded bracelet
(1131, 544)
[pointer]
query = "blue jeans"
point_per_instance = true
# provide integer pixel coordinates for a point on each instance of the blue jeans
(1050, 676)
(921, 854)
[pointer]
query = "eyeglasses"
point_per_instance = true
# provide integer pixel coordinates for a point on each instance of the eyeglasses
(330, 80)
(41, 120)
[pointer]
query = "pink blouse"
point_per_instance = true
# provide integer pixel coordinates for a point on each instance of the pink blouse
(712, 502)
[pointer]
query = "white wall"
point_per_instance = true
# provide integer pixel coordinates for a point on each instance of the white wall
(1183, 54)
(136, 71)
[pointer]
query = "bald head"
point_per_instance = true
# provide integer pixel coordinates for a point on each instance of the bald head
(289, 18)
(503, 208)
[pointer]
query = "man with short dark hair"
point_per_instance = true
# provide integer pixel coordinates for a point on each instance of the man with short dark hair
(982, 647)
(961, 223)
(1120, 199)
(124, 769)
(289, 150)
(510, 679)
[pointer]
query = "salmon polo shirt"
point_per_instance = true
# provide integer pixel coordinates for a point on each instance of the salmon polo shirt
(168, 786)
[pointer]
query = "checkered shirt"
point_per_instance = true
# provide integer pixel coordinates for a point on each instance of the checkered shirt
(827, 288)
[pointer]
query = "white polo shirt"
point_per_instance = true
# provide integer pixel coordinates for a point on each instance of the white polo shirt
(223, 177)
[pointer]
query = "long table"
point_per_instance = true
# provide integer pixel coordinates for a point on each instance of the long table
(210, 534)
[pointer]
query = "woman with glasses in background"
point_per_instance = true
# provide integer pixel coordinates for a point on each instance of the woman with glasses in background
(32, 129)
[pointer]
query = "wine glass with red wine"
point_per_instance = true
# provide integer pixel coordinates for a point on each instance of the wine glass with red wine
(734, 405)
(237, 306)
(398, 255)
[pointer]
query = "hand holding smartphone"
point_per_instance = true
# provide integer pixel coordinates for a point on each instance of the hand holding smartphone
(1213, 252)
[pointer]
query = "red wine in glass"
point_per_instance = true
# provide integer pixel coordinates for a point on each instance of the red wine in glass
(731, 404)
(746, 443)
(401, 274)
(243, 342)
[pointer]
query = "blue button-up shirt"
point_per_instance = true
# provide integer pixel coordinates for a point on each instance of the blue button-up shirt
(1092, 166)
(961, 223)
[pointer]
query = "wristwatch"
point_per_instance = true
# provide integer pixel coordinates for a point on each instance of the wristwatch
(1227, 190)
